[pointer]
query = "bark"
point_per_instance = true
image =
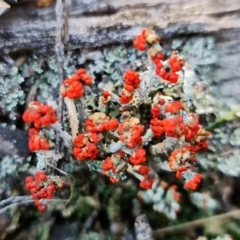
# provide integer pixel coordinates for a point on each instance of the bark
(104, 22)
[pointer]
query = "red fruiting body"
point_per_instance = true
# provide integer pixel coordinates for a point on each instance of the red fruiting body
(112, 166)
(162, 73)
(146, 36)
(86, 79)
(40, 188)
(128, 87)
(125, 99)
(80, 72)
(135, 139)
(80, 141)
(36, 141)
(171, 126)
(157, 59)
(106, 124)
(173, 107)
(132, 78)
(107, 165)
(144, 170)
(174, 63)
(131, 82)
(40, 115)
(140, 42)
(130, 133)
(106, 97)
(194, 182)
(94, 138)
(138, 157)
(40, 176)
(91, 126)
(155, 111)
(72, 87)
(111, 125)
(156, 126)
(106, 94)
(180, 159)
(173, 77)
(161, 101)
(176, 66)
(114, 180)
(83, 148)
(146, 183)
(33, 131)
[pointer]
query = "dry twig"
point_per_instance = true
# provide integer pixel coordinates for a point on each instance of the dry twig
(183, 227)
(61, 37)
(14, 201)
(59, 50)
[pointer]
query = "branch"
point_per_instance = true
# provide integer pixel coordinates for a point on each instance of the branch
(24, 200)
(14, 201)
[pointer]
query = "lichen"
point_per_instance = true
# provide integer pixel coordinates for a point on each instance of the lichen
(11, 93)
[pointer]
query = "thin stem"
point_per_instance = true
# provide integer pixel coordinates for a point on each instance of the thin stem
(13, 200)
(56, 168)
(22, 200)
(71, 183)
(228, 116)
(195, 223)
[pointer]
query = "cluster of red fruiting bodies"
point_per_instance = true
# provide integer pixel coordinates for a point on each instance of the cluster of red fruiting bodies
(129, 132)
(176, 126)
(194, 182)
(73, 87)
(118, 162)
(39, 115)
(131, 82)
(37, 141)
(149, 40)
(166, 121)
(41, 187)
(95, 125)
